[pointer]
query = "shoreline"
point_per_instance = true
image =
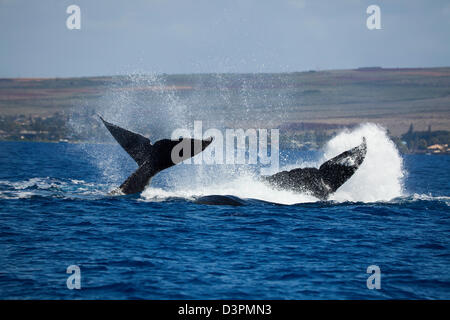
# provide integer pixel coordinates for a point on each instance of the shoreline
(112, 143)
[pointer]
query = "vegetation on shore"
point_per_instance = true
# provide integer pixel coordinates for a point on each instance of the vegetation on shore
(425, 141)
(54, 128)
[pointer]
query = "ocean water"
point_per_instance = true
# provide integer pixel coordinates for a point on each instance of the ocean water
(161, 244)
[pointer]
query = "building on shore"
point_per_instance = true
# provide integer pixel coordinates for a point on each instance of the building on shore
(438, 148)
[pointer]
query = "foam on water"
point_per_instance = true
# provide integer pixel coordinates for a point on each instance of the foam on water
(245, 187)
(379, 178)
(51, 188)
(428, 197)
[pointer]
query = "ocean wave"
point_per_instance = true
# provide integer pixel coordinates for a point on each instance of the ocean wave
(378, 180)
(48, 187)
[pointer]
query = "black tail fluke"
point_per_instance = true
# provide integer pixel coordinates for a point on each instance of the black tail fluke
(323, 181)
(137, 146)
(336, 171)
(154, 158)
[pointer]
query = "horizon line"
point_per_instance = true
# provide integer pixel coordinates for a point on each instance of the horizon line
(366, 68)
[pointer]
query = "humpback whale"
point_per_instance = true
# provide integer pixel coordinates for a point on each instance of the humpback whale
(324, 181)
(153, 158)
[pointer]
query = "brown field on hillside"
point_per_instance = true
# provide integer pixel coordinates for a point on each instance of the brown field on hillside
(394, 98)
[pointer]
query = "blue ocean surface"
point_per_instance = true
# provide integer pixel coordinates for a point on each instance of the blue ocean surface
(55, 212)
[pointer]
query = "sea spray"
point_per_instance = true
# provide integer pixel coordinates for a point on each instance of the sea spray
(142, 103)
(146, 104)
(380, 177)
(155, 105)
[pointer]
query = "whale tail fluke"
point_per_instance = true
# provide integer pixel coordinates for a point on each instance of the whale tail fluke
(336, 171)
(152, 158)
(137, 146)
(323, 181)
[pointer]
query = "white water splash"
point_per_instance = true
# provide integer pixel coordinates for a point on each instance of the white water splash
(379, 178)
(245, 187)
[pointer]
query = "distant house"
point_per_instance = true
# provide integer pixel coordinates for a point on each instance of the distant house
(438, 148)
